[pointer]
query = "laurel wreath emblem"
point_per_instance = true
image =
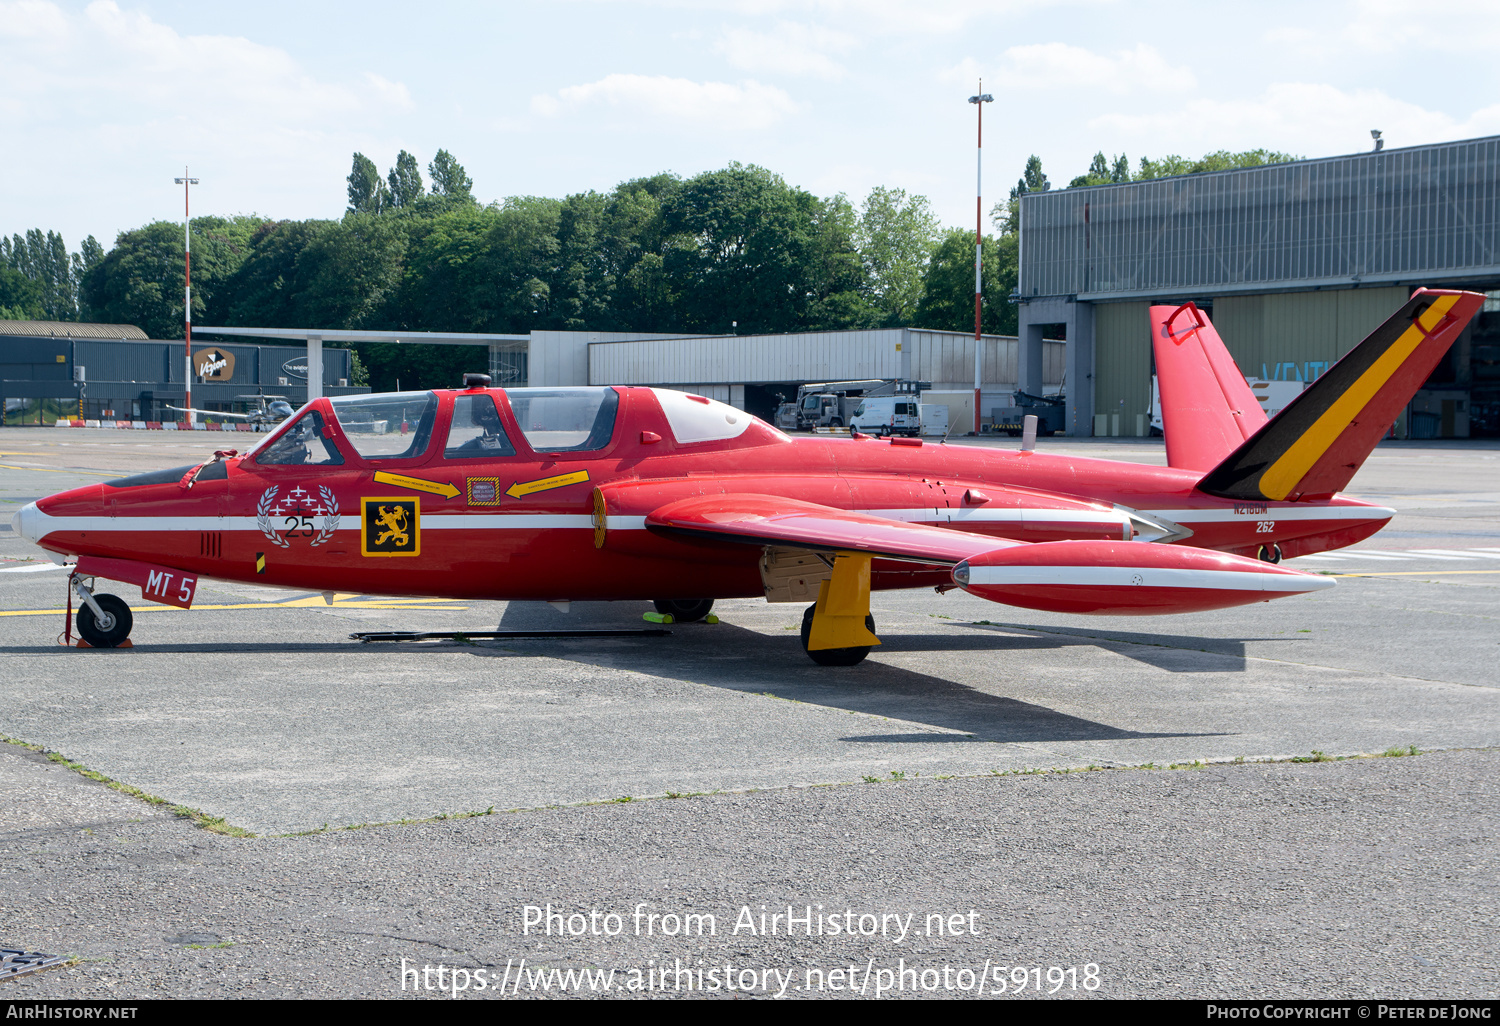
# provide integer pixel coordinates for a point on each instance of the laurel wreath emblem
(331, 518)
(263, 517)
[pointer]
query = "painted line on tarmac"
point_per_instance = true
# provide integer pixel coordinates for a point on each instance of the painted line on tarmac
(1412, 573)
(53, 470)
(300, 604)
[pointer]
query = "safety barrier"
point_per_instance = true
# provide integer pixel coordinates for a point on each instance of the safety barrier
(152, 425)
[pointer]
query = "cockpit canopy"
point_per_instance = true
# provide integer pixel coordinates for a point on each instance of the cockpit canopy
(400, 425)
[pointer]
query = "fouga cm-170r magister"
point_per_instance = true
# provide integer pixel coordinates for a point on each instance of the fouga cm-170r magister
(645, 493)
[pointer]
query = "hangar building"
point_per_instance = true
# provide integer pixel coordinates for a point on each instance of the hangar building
(1295, 263)
(126, 376)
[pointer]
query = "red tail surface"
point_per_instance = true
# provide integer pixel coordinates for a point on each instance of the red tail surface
(1207, 409)
(1314, 446)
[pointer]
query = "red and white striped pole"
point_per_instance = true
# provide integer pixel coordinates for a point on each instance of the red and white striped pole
(187, 294)
(979, 100)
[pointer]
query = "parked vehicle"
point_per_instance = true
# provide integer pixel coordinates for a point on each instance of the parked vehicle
(887, 415)
(934, 419)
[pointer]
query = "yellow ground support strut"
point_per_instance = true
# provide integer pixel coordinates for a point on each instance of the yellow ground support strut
(843, 604)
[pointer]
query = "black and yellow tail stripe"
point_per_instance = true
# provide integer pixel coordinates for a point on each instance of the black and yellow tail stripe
(1273, 462)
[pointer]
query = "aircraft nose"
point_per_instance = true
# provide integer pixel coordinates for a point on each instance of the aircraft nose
(25, 522)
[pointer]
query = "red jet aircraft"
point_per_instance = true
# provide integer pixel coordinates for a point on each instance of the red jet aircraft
(647, 493)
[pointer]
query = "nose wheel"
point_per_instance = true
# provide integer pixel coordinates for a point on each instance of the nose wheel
(1269, 554)
(684, 610)
(104, 621)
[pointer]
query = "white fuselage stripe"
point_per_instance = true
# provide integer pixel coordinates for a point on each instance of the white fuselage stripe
(1000, 516)
(44, 524)
(1229, 516)
(1148, 577)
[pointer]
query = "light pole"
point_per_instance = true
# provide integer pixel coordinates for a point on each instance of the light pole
(187, 295)
(979, 100)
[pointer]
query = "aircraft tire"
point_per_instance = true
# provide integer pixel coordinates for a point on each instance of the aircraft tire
(110, 632)
(1269, 554)
(684, 610)
(834, 656)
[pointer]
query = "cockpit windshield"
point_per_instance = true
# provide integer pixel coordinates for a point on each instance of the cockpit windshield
(565, 419)
(304, 444)
(389, 425)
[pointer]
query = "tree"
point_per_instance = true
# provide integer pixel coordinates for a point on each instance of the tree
(43, 260)
(1097, 174)
(948, 285)
(449, 179)
(139, 281)
(738, 246)
(267, 288)
(405, 181)
(20, 297)
(367, 193)
(1220, 160)
(1032, 180)
(896, 235)
(350, 271)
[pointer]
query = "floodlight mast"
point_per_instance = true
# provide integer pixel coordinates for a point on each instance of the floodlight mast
(979, 100)
(187, 295)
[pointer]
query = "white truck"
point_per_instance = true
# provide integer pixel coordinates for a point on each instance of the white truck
(887, 415)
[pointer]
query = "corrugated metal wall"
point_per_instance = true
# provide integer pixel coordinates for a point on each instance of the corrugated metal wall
(945, 358)
(809, 356)
(1393, 216)
(1122, 362)
(1296, 335)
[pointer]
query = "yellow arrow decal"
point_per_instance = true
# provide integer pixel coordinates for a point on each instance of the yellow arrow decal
(417, 484)
(521, 488)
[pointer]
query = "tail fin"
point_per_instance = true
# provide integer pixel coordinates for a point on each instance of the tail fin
(1313, 447)
(1207, 409)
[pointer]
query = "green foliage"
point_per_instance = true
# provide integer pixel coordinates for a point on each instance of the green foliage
(661, 253)
(367, 193)
(1008, 217)
(449, 179)
(405, 181)
(20, 297)
(139, 281)
(896, 235)
(948, 287)
(1220, 160)
(43, 261)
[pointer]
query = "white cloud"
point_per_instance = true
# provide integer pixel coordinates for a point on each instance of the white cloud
(791, 48)
(121, 67)
(1053, 66)
(1313, 119)
(679, 102)
(33, 19)
(391, 94)
(1458, 26)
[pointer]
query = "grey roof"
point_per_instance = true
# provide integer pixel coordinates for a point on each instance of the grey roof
(70, 329)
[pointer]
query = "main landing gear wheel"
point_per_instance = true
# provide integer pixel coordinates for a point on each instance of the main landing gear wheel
(834, 656)
(111, 629)
(1269, 554)
(684, 610)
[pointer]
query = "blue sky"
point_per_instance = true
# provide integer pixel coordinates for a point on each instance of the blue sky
(103, 103)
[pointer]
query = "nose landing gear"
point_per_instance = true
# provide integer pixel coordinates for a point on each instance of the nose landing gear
(685, 610)
(1269, 554)
(104, 621)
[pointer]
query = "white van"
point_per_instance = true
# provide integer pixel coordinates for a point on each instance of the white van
(887, 415)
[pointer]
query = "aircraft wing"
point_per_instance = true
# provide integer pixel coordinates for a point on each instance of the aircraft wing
(774, 520)
(211, 413)
(1108, 577)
